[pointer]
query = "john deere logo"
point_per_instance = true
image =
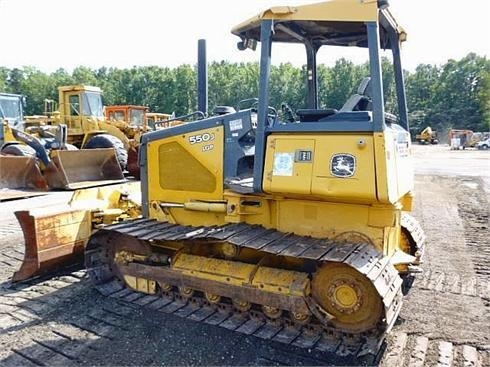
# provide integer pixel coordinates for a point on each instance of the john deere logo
(343, 165)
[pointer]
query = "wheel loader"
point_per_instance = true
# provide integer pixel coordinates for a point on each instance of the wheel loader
(36, 156)
(81, 109)
(262, 225)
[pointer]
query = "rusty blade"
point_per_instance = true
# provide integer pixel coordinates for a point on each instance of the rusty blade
(52, 240)
(21, 173)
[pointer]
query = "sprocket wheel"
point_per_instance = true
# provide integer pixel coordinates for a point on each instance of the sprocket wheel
(348, 295)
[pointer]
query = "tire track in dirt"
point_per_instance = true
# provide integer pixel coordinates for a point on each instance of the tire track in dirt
(445, 318)
(473, 208)
(413, 350)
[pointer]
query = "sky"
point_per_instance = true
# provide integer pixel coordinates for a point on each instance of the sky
(53, 34)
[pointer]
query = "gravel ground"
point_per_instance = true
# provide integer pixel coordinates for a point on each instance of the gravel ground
(444, 321)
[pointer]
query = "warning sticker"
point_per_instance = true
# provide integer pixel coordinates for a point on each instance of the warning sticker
(236, 125)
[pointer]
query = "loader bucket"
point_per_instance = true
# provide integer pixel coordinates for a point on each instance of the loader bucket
(52, 240)
(75, 169)
(18, 172)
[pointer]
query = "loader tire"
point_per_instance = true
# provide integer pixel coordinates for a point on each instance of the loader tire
(19, 150)
(109, 141)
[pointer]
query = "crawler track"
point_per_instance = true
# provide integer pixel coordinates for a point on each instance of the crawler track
(312, 336)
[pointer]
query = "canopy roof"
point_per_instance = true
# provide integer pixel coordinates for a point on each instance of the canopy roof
(334, 22)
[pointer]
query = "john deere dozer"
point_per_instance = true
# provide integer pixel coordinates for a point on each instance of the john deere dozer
(36, 156)
(300, 224)
(293, 230)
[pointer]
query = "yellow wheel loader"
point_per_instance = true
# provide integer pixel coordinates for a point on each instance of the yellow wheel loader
(295, 230)
(36, 156)
(80, 108)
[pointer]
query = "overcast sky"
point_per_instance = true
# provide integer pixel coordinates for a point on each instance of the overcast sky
(52, 34)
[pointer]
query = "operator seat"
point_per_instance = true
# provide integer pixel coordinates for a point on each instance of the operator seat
(362, 100)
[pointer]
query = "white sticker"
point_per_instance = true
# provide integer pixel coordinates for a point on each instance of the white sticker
(236, 125)
(283, 164)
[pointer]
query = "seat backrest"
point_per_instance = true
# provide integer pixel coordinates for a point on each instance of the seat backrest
(361, 101)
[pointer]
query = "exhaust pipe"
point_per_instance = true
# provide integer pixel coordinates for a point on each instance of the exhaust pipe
(202, 77)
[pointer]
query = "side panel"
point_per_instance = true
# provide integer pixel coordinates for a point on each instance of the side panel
(186, 167)
(338, 221)
(332, 167)
(289, 165)
(6, 135)
(394, 164)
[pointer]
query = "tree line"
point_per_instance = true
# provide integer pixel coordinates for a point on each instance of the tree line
(453, 95)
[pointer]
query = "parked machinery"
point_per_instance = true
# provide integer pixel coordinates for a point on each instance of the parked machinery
(81, 109)
(300, 222)
(153, 117)
(133, 121)
(427, 136)
(35, 155)
(460, 139)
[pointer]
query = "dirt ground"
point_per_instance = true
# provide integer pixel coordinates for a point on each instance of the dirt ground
(444, 321)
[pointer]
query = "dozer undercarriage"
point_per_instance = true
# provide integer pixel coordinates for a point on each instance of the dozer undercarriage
(260, 280)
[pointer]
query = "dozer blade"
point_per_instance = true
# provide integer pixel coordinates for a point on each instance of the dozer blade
(21, 173)
(56, 236)
(75, 169)
(52, 240)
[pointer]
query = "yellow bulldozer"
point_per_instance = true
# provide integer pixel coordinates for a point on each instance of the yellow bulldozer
(262, 225)
(34, 155)
(302, 222)
(81, 109)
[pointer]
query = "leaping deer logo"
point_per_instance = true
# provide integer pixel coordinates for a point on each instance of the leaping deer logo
(343, 165)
